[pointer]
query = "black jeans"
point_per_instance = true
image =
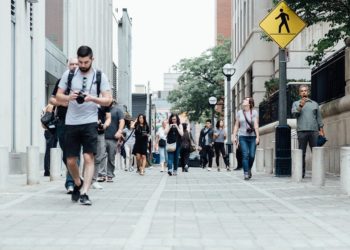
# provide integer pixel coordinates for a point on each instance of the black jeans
(51, 142)
(220, 149)
(304, 138)
(207, 156)
(184, 154)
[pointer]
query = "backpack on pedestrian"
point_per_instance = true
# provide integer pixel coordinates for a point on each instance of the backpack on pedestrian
(70, 78)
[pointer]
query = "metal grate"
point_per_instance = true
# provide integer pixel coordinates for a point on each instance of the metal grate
(13, 10)
(31, 16)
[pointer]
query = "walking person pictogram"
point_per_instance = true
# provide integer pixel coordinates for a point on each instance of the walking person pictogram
(284, 18)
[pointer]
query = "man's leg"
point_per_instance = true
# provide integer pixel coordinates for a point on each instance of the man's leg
(302, 139)
(89, 167)
(210, 155)
(100, 155)
(74, 169)
(111, 151)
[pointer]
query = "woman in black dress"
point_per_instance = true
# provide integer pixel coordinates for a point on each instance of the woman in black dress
(141, 139)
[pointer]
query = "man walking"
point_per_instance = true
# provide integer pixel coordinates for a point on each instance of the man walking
(82, 94)
(309, 121)
(113, 133)
(60, 127)
(205, 144)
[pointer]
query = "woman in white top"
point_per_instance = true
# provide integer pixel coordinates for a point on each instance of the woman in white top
(129, 139)
(247, 126)
(161, 145)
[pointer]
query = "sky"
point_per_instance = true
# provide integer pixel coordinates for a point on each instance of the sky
(166, 31)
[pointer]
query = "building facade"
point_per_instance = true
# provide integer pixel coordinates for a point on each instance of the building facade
(124, 61)
(170, 80)
(22, 95)
(223, 16)
(89, 23)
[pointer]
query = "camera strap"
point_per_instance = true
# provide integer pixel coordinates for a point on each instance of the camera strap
(129, 136)
(251, 117)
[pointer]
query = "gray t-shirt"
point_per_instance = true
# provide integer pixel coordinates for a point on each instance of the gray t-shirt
(86, 112)
(243, 125)
(220, 133)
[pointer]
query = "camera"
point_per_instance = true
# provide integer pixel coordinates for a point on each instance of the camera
(100, 126)
(250, 130)
(81, 97)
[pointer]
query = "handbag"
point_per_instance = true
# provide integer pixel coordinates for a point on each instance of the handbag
(171, 147)
(49, 119)
(321, 140)
(162, 143)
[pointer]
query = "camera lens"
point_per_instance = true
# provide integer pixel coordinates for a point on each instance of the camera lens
(80, 98)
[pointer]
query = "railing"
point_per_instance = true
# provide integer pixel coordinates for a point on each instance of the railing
(328, 79)
(268, 110)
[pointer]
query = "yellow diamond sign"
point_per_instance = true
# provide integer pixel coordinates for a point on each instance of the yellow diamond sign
(282, 24)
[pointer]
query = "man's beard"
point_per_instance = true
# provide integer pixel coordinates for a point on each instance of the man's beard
(84, 70)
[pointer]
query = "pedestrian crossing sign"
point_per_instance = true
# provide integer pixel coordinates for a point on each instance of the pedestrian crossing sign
(282, 24)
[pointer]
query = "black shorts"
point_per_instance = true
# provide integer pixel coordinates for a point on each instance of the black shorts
(78, 136)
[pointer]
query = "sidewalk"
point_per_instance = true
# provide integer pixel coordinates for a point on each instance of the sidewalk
(195, 210)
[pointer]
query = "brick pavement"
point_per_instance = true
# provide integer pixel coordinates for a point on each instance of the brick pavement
(195, 210)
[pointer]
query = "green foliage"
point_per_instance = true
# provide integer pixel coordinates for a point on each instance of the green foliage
(201, 77)
(336, 13)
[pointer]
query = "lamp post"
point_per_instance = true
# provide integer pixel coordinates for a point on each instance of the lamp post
(212, 102)
(228, 71)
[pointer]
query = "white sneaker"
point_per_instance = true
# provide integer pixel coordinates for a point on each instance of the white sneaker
(70, 189)
(96, 185)
(209, 169)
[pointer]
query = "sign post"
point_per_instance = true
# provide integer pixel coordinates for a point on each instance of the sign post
(282, 25)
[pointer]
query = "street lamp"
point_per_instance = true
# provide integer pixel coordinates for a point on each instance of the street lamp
(212, 102)
(228, 71)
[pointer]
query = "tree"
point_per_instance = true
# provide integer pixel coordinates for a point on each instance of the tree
(335, 12)
(201, 77)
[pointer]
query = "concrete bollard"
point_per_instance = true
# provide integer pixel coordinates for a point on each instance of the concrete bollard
(259, 158)
(318, 168)
(33, 165)
(55, 163)
(268, 159)
(345, 168)
(4, 166)
(297, 165)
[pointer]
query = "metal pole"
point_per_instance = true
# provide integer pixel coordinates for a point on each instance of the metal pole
(282, 111)
(212, 115)
(228, 104)
(283, 160)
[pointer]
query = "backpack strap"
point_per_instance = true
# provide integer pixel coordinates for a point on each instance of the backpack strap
(69, 82)
(98, 82)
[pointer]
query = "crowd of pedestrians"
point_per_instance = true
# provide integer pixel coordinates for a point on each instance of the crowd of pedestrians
(92, 129)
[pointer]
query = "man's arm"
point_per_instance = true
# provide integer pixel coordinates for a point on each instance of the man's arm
(63, 98)
(53, 100)
(105, 100)
(120, 129)
(296, 109)
(107, 121)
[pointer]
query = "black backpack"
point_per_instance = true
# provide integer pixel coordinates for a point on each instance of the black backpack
(70, 78)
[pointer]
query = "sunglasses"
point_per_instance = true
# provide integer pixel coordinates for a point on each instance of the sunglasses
(84, 83)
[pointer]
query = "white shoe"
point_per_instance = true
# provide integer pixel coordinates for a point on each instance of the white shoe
(209, 169)
(70, 189)
(96, 185)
